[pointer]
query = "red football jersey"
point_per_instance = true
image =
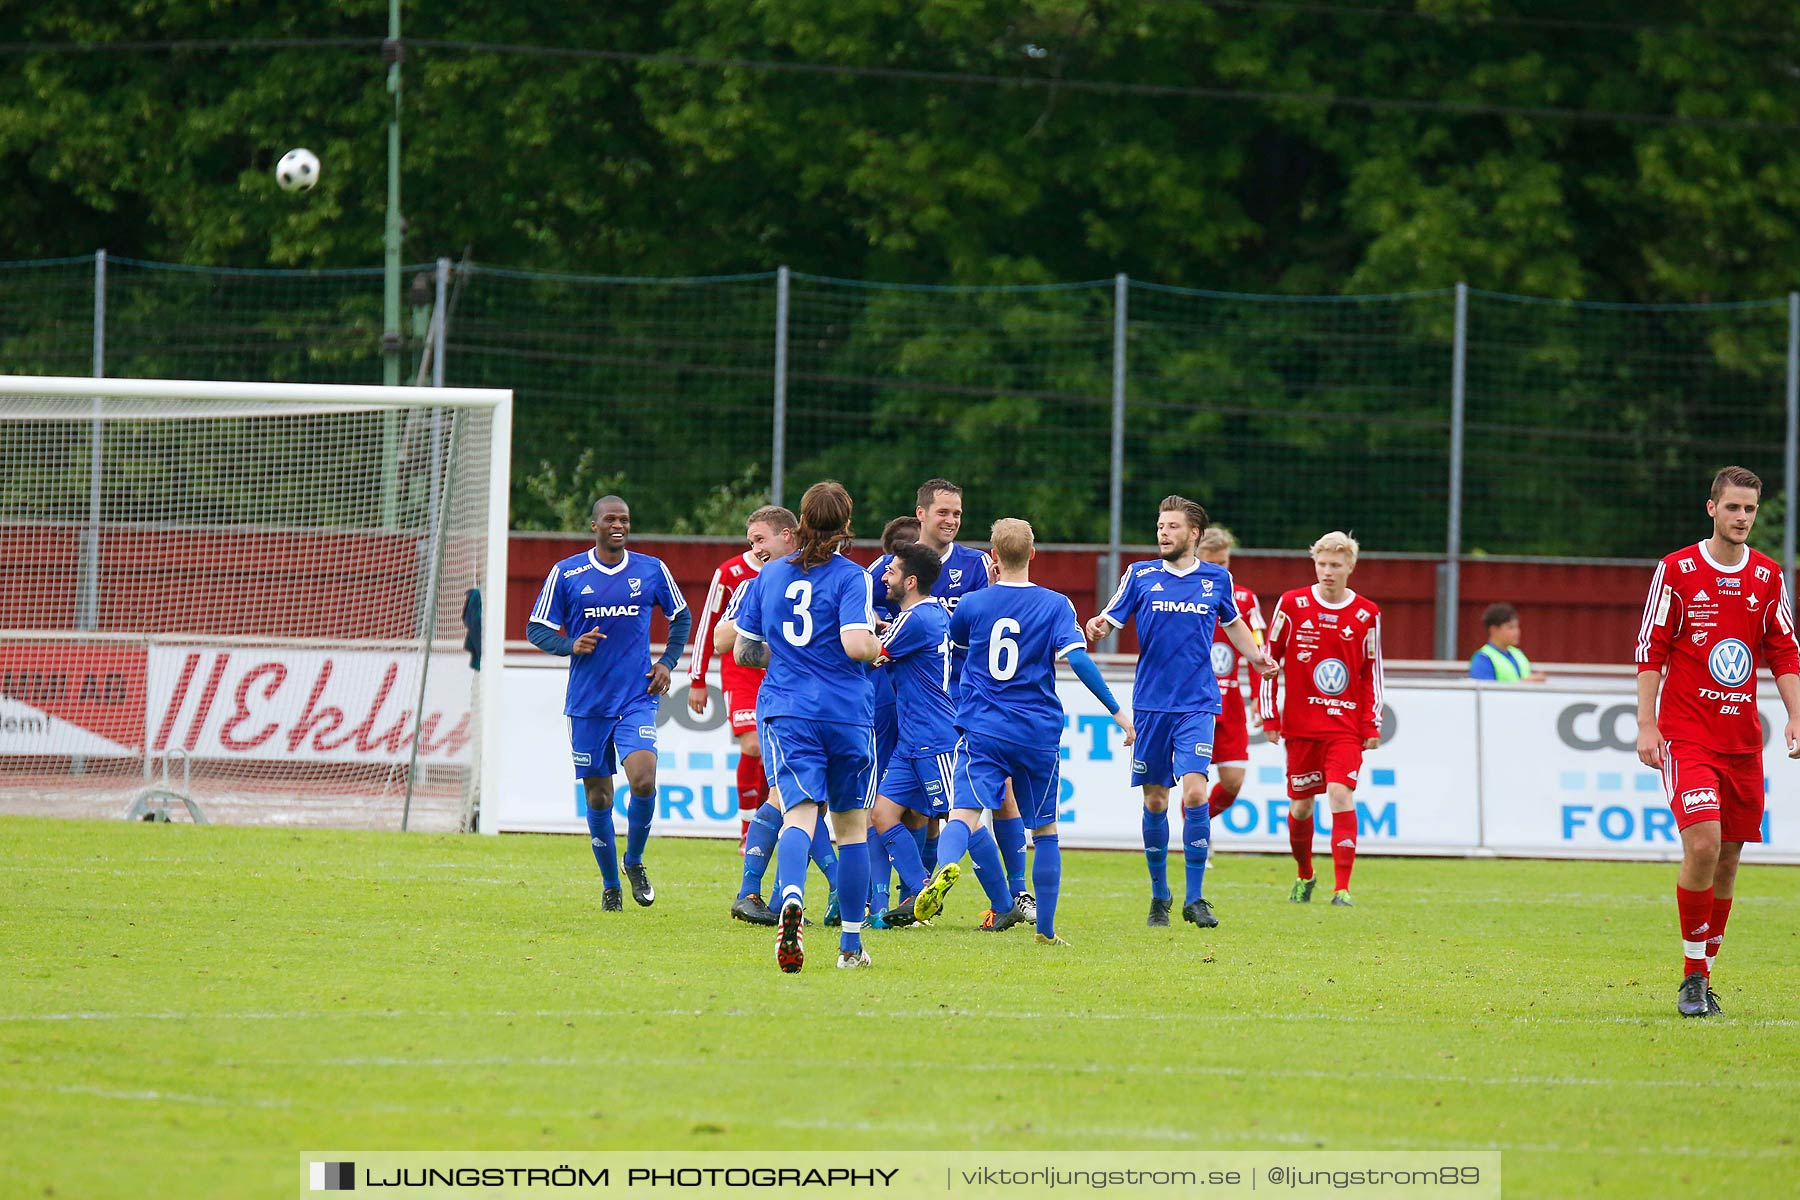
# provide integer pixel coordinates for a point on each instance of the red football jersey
(731, 575)
(1711, 626)
(1330, 655)
(1228, 664)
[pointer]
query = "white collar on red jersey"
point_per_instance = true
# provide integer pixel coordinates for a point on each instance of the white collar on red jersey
(754, 563)
(1346, 602)
(1716, 565)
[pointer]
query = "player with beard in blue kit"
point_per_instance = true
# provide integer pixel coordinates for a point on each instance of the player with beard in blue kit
(1008, 711)
(1177, 602)
(811, 625)
(594, 610)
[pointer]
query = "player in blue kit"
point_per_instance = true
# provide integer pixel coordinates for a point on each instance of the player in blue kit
(962, 571)
(595, 611)
(1008, 711)
(920, 777)
(901, 531)
(811, 625)
(1177, 600)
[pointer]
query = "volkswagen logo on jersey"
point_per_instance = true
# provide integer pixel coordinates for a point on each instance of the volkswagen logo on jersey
(1224, 659)
(1331, 677)
(1729, 663)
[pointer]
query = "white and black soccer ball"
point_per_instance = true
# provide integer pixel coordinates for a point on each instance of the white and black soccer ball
(297, 171)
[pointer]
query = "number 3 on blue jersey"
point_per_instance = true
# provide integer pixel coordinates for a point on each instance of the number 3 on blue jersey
(799, 631)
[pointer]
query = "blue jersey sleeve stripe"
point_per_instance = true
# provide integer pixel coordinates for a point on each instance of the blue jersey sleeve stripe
(674, 590)
(1070, 649)
(1117, 599)
(540, 612)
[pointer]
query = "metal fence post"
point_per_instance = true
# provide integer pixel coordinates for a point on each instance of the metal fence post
(1450, 580)
(778, 435)
(87, 605)
(443, 322)
(1791, 448)
(1115, 517)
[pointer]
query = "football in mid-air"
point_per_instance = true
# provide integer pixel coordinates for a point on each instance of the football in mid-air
(297, 171)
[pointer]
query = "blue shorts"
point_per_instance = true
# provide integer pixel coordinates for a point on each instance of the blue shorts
(599, 744)
(887, 737)
(925, 783)
(983, 765)
(826, 762)
(1170, 745)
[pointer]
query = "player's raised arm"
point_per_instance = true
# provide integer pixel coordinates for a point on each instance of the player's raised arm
(1117, 611)
(1086, 670)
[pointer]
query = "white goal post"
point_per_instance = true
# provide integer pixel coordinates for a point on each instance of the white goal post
(281, 603)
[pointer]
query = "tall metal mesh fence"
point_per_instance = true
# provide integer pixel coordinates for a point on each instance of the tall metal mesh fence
(1004, 391)
(1589, 428)
(1593, 429)
(1288, 418)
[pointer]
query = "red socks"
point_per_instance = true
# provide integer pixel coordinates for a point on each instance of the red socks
(1721, 911)
(1218, 800)
(1343, 847)
(1300, 839)
(1696, 910)
(750, 787)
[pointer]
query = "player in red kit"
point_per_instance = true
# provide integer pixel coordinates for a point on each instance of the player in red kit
(1231, 739)
(1328, 642)
(770, 531)
(1715, 611)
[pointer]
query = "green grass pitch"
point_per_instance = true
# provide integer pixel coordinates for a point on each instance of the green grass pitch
(183, 1010)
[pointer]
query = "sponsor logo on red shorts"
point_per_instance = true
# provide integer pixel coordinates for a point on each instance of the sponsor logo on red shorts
(1310, 779)
(1698, 799)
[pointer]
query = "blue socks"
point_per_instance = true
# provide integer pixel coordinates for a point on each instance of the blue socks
(606, 848)
(905, 855)
(853, 895)
(1009, 832)
(1046, 874)
(759, 849)
(880, 872)
(792, 853)
(984, 856)
(637, 829)
(928, 854)
(1196, 838)
(1156, 851)
(918, 837)
(953, 842)
(824, 855)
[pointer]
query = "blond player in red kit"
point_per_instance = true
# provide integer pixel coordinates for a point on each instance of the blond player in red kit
(1716, 611)
(1328, 642)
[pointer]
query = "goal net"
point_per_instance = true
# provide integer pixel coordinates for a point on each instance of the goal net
(282, 602)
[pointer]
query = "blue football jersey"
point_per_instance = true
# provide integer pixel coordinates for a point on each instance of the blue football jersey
(964, 572)
(582, 593)
(887, 610)
(799, 614)
(1014, 633)
(1176, 612)
(917, 642)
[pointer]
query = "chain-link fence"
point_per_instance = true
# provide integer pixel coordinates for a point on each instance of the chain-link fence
(1451, 422)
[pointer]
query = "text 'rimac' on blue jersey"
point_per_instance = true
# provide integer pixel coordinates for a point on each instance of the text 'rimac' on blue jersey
(917, 645)
(800, 615)
(582, 593)
(1014, 633)
(1176, 612)
(963, 572)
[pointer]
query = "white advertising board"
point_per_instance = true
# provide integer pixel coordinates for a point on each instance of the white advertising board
(1560, 775)
(1418, 792)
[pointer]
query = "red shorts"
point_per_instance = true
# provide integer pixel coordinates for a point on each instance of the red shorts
(1704, 786)
(741, 687)
(1231, 734)
(1314, 763)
